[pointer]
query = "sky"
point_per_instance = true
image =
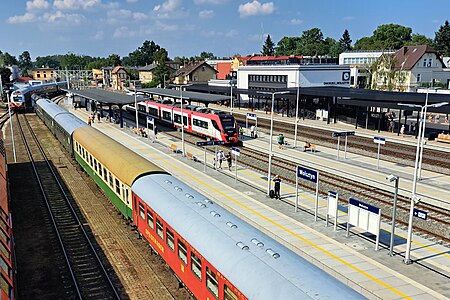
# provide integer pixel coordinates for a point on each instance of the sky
(188, 27)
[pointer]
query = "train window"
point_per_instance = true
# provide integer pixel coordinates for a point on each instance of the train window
(105, 175)
(196, 266)
(117, 186)
(3, 236)
(150, 221)
(182, 252)
(227, 123)
(90, 160)
(110, 180)
(4, 265)
(166, 115)
(4, 250)
(95, 165)
(153, 111)
(170, 240)
(3, 224)
(141, 211)
(214, 123)
(4, 285)
(195, 122)
(177, 118)
(229, 294)
(159, 229)
(141, 107)
(211, 283)
(100, 170)
(185, 121)
(126, 195)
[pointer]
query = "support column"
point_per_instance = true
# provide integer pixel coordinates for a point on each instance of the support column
(356, 117)
(329, 110)
(335, 99)
(120, 116)
(400, 121)
(101, 110)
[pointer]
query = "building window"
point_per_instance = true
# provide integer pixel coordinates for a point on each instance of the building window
(430, 62)
(418, 78)
(424, 62)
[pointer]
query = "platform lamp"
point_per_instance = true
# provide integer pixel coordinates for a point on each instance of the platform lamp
(182, 119)
(391, 178)
(296, 111)
(271, 135)
(414, 198)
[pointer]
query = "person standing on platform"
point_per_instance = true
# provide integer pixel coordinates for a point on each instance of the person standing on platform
(402, 130)
(277, 182)
(229, 160)
(155, 130)
(252, 131)
(89, 121)
(221, 158)
(281, 140)
(98, 117)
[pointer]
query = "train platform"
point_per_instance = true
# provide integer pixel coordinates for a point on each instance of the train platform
(352, 259)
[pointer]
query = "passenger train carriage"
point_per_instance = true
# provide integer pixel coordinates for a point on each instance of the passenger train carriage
(214, 253)
(202, 121)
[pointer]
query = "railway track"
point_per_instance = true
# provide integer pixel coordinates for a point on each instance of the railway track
(437, 226)
(85, 276)
(433, 160)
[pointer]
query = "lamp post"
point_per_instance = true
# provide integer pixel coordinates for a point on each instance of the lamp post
(296, 111)
(135, 105)
(164, 83)
(182, 119)
(394, 211)
(414, 197)
(231, 96)
(271, 134)
(12, 130)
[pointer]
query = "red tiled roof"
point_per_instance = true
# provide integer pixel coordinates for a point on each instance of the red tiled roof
(116, 69)
(408, 56)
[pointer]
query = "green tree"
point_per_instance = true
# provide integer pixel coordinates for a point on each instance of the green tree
(392, 36)
(47, 61)
(333, 47)
(345, 42)
(25, 61)
(442, 39)
(143, 55)
(7, 59)
(420, 39)
(312, 43)
(288, 46)
(114, 60)
(268, 47)
(203, 55)
(368, 43)
(161, 69)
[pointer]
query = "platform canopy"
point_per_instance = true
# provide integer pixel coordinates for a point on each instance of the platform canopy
(104, 96)
(187, 95)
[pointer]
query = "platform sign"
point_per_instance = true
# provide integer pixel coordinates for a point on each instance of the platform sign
(150, 120)
(251, 116)
(421, 214)
(150, 125)
(236, 151)
(332, 207)
(364, 216)
(345, 133)
(338, 135)
(380, 141)
(210, 143)
(310, 175)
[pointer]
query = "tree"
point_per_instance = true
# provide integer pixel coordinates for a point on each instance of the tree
(368, 43)
(7, 59)
(161, 69)
(25, 61)
(420, 39)
(268, 47)
(203, 55)
(5, 74)
(47, 61)
(442, 39)
(333, 47)
(288, 46)
(114, 60)
(345, 42)
(312, 43)
(392, 36)
(143, 55)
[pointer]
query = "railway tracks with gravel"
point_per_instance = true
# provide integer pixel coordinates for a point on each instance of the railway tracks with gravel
(437, 225)
(84, 277)
(433, 160)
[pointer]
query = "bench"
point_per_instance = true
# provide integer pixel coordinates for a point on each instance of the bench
(173, 148)
(191, 156)
(443, 138)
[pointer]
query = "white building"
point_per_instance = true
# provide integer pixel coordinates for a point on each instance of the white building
(269, 78)
(359, 62)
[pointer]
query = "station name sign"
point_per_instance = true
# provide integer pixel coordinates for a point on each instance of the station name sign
(307, 174)
(345, 133)
(364, 206)
(210, 143)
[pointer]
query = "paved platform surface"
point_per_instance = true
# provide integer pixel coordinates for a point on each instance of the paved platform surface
(350, 259)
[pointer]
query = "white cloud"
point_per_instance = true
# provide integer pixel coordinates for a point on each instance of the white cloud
(76, 4)
(206, 14)
(26, 18)
(99, 35)
(37, 4)
(138, 16)
(232, 33)
(296, 22)
(166, 27)
(255, 8)
(123, 32)
(209, 33)
(198, 2)
(167, 6)
(132, 1)
(61, 18)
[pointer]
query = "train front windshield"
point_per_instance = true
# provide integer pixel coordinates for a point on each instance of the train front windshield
(228, 123)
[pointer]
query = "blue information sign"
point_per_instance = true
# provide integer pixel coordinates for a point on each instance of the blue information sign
(307, 174)
(251, 116)
(364, 206)
(210, 143)
(150, 120)
(421, 214)
(346, 133)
